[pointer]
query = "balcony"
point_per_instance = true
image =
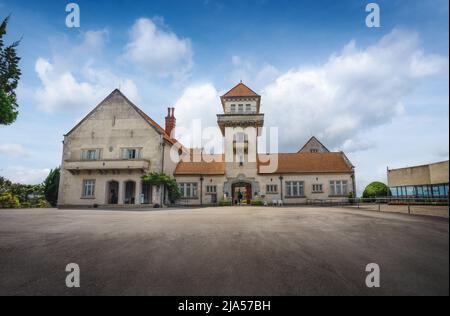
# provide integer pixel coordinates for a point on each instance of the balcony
(239, 120)
(104, 166)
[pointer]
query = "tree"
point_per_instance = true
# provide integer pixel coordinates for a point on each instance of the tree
(9, 78)
(51, 185)
(5, 185)
(155, 178)
(8, 200)
(376, 189)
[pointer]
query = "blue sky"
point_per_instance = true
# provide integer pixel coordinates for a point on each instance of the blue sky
(379, 94)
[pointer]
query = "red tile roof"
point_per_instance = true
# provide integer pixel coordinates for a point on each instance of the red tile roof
(203, 165)
(331, 162)
(240, 90)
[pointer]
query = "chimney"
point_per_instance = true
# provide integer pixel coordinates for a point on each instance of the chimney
(170, 122)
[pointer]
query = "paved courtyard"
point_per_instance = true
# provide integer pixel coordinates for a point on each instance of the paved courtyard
(222, 251)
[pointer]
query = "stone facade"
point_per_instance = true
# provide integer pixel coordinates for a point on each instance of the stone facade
(105, 155)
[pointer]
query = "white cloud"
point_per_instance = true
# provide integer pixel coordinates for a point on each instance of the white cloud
(25, 175)
(61, 90)
(158, 49)
(93, 40)
(354, 90)
(77, 76)
(198, 102)
(248, 71)
(357, 144)
(12, 150)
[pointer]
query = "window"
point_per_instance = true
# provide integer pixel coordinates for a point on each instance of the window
(90, 154)
(426, 191)
(314, 150)
(338, 188)
(394, 191)
(130, 153)
(410, 191)
(248, 108)
(294, 189)
(211, 189)
(241, 108)
(233, 108)
(188, 190)
(317, 188)
(435, 191)
(88, 188)
(241, 158)
(419, 191)
(272, 189)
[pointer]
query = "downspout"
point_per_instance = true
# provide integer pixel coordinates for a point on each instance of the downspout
(354, 183)
(163, 191)
(281, 187)
(201, 190)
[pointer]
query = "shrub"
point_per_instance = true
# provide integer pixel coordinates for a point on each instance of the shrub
(25, 205)
(256, 203)
(376, 189)
(7, 200)
(51, 184)
(225, 202)
(155, 178)
(43, 204)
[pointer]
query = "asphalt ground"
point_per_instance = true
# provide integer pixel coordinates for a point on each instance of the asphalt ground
(222, 251)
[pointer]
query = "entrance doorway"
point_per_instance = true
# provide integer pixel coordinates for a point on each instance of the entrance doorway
(146, 193)
(130, 192)
(242, 193)
(112, 192)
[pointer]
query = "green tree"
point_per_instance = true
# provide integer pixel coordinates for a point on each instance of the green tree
(8, 200)
(9, 78)
(51, 185)
(376, 189)
(5, 185)
(156, 178)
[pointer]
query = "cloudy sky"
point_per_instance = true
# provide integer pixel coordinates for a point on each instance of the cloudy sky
(379, 94)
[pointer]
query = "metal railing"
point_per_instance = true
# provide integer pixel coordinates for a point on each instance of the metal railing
(384, 203)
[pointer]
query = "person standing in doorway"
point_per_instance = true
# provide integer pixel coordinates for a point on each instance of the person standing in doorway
(240, 196)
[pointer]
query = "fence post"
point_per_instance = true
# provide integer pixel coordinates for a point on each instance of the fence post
(409, 208)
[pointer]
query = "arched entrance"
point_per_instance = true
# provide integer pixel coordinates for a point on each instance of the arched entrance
(112, 192)
(241, 193)
(130, 192)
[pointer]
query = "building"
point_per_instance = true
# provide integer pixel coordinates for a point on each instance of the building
(105, 155)
(426, 181)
